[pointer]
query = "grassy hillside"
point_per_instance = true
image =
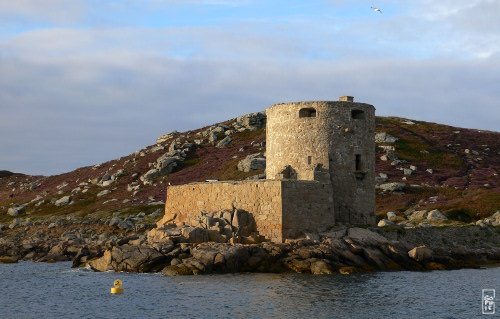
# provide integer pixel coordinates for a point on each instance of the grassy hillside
(455, 170)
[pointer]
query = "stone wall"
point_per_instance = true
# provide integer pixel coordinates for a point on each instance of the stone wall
(261, 198)
(281, 209)
(307, 207)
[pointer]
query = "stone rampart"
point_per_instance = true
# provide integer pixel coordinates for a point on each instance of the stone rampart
(281, 209)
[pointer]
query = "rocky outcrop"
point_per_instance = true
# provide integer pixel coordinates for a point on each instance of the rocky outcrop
(392, 187)
(16, 211)
(177, 251)
(63, 201)
(130, 258)
(252, 121)
(252, 162)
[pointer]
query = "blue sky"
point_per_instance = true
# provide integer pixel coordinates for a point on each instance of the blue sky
(82, 82)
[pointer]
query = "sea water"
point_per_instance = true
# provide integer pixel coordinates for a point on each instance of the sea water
(41, 290)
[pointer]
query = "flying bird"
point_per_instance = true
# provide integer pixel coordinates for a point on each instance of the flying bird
(376, 9)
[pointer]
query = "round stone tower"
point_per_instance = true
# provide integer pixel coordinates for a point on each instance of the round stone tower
(330, 142)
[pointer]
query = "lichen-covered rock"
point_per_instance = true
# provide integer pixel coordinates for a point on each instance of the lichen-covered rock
(252, 163)
(421, 253)
(16, 211)
(436, 215)
(103, 192)
(493, 220)
(418, 215)
(365, 237)
(252, 121)
(383, 137)
(321, 267)
(392, 187)
(224, 142)
(166, 137)
(384, 222)
(130, 258)
(63, 201)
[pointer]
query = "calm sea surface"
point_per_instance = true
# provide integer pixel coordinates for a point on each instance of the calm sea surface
(39, 290)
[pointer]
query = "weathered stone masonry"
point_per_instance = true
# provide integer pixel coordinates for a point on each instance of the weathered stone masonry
(320, 170)
(281, 209)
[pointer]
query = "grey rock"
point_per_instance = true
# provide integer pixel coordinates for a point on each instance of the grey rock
(115, 221)
(126, 224)
(15, 223)
(391, 215)
(384, 222)
(251, 163)
(418, 215)
(365, 236)
(494, 220)
(195, 234)
(252, 120)
(407, 171)
(16, 211)
(166, 137)
(421, 253)
(320, 267)
(224, 142)
(212, 137)
(392, 187)
(130, 258)
(436, 215)
(63, 201)
(166, 163)
(384, 138)
(103, 192)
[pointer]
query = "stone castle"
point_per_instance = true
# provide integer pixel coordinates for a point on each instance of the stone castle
(320, 171)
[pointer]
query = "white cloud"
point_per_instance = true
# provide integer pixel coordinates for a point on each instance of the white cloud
(46, 10)
(76, 96)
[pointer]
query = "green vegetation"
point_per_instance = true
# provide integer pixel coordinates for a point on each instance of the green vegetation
(415, 152)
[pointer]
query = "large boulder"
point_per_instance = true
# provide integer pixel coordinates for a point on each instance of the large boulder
(365, 237)
(165, 164)
(383, 137)
(103, 192)
(421, 253)
(16, 211)
(392, 187)
(224, 142)
(493, 220)
(63, 201)
(244, 223)
(384, 222)
(418, 215)
(252, 163)
(130, 259)
(436, 215)
(166, 137)
(195, 234)
(320, 267)
(253, 120)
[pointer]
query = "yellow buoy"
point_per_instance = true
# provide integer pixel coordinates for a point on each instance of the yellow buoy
(117, 288)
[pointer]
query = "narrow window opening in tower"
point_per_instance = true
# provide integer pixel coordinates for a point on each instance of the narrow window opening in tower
(307, 112)
(358, 114)
(358, 162)
(309, 160)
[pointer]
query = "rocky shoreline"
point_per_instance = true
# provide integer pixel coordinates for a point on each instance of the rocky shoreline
(187, 250)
